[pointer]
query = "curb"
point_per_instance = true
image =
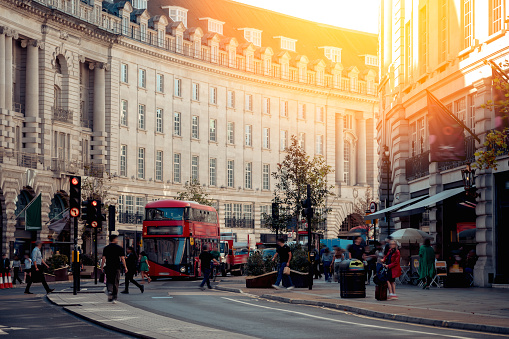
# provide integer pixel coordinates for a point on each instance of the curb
(382, 315)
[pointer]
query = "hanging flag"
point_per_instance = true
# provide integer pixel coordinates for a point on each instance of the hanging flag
(33, 220)
(446, 137)
(58, 225)
(500, 100)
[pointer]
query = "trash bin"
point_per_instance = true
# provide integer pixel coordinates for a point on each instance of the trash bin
(352, 279)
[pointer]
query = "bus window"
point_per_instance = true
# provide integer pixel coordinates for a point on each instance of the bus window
(165, 213)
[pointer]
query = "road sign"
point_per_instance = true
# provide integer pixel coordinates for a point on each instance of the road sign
(75, 212)
(372, 207)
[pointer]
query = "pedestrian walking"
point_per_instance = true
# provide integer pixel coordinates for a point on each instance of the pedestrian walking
(37, 274)
(144, 267)
(6, 265)
(285, 256)
(131, 261)
(426, 263)
(316, 263)
(391, 262)
(113, 255)
(371, 262)
(357, 250)
(27, 267)
(338, 258)
(206, 259)
(327, 258)
(16, 267)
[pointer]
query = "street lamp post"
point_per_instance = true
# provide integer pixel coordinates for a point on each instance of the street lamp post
(468, 176)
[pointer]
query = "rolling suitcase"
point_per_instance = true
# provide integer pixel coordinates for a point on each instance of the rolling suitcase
(381, 292)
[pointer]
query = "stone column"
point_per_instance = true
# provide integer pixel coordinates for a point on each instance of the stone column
(32, 128)
(3, 30)
(340, 148)
(361, 149)
(8, 68)
(99, 116)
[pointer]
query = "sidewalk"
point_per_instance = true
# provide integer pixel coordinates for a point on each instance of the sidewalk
(133, 321)
(479, 309)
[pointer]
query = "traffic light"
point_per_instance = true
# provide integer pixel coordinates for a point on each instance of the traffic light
(307, 210)
(74, 196)
(111, 218)
(95, 217)
(275, 211)
(84, 210)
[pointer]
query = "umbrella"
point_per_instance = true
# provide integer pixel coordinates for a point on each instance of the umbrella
(467, 234)
(410, 235)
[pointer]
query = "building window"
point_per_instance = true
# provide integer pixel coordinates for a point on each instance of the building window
(230, 174)
(266, 105)
(159, 120)
(423, 40)
(213, 95)
(124, 73)
(123, 114)
(408, 44)
(249, 102)
(142, 78)
(231, 99)
(215, 26)
(254, 36)
(249, 175)
(319, 144)
(213, 130)
(302, 111)
(266, 177)
(467, 23)
(284, 108)
(178, 44)
(346, 162)
(288, 44)
(177, 91)
(333, 54)
(442, 11)
(176, 168)
(284, 140)
(248, 212)
(141, 163)
(160, 83)
(123, 160)
(140, 207)
(237, 211)
(320, 111)
(348, 121)
(178, 14)
(159, 165)
(231, 132)
(177, 124)
(471, 113)
(249, 135)
(496, 16)
(143, 32)
(213, 172)
(195, 161)
(196, 92)
(195, 127)
(302, 140)
(228, 211)
(266, 138)
(141, 116)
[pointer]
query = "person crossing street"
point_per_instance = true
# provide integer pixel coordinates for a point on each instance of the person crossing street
(285, 256)
(113, 255)
(37, 274)
(131, 262)
(206, 258)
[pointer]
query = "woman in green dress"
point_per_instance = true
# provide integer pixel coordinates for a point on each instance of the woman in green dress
(426, 263)
(144, 267)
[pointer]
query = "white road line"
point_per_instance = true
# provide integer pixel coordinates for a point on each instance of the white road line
(162, 297)
(346, 322)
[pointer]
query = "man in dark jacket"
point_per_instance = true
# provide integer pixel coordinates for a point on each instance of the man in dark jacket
(131, 262)
(6, 264)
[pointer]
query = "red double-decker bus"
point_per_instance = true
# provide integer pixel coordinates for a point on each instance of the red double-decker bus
(174, 233)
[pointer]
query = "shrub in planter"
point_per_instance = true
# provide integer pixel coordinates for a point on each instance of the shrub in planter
(87, 260)
(57, 261)
(299, 260)
(255, 265)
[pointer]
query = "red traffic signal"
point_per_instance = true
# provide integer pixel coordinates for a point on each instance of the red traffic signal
(94, 203)
(75, 181)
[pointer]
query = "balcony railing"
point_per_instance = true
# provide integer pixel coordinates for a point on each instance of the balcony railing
(64, 115)
(239, 223)
(417, 166)
(59, 165)
(130, 218)
(94, 170)
(470, 156)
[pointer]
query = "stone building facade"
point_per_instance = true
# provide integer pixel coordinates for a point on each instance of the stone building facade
(156, 97)
(442, 46)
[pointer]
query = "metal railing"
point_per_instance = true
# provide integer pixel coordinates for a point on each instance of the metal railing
(64, 115)
(417, 166)
(470, 156)
(239, 223)
(65, 166)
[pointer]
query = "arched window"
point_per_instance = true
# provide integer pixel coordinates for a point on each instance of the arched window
(22, 201)
(347, 154)
(57, 97)
(56, 208)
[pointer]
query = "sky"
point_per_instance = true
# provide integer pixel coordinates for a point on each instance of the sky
(361, 15)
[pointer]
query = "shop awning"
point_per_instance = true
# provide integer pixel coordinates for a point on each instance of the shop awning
(381, 214)
(421, 206)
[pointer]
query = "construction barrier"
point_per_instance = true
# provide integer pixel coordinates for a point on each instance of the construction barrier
(1, 281)
(9, 280)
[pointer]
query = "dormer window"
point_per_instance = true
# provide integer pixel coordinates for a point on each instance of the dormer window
(177, 14)
(140, 4)
(253, 35)
(371, 60)
(287, 43)
(332, 53)
(213, 25)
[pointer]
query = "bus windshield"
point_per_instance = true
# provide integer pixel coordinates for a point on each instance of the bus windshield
(167, 251)
(165, 213)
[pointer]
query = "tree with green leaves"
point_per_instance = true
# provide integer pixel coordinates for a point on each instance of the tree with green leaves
(292, 175)
(497, 141)
(193, 191)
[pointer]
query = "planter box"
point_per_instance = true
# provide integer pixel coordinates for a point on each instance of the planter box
(61, 274)
(299, 280)
(88, 272)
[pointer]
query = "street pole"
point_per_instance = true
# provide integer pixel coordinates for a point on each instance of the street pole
(76, 274)
(95, 256)
(308, 217)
